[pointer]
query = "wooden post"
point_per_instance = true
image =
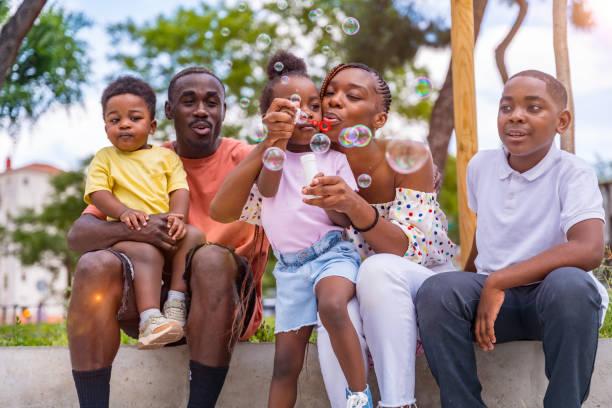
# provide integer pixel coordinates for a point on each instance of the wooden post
(464, 100)
(562, 64)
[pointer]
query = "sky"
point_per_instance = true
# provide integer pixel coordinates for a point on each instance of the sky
(64, 137)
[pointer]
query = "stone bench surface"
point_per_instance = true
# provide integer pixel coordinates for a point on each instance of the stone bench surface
(37, 377)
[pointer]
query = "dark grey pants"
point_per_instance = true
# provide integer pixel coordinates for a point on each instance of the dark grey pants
(563, 311)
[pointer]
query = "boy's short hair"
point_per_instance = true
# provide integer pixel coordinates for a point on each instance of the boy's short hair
(130, 85)
(554, 87)
(189, 71)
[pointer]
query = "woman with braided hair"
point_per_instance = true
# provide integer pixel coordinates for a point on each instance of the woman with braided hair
(396, 225)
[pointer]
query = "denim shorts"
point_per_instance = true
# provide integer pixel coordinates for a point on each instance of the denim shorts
(298, 273)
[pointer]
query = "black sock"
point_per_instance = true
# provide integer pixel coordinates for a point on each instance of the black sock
(205, 384)
(93, 387)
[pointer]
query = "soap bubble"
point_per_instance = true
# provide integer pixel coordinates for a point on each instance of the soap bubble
(225, 31)
(243, 6)
(329, 28)
(406, 156)
(285, 79)
(301, 117)
(260, 134)
(347, 137)
(263, 41)
(244, 102)
(350, 26)
(326, 50)
(364, 135)
(296, 99)
(278, 66)
(320, 143)
(273, 158)
(423, 87)
(364, 180)
(314, 15)
(282, 5)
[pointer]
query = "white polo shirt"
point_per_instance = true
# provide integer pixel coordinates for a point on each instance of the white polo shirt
(520, 215)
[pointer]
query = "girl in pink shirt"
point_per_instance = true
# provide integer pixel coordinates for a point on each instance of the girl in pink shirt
(317, 267)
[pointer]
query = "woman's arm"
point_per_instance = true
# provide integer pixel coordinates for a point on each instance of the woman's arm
(338, 218)
(334, 194)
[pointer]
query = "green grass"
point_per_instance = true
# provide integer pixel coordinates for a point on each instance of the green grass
(43, 334)
(55, 334)
(46, 334)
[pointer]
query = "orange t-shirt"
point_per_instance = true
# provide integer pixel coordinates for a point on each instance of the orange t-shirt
(204, 177)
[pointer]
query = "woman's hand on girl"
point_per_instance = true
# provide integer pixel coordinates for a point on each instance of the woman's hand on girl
(331, 193)
(279, 120)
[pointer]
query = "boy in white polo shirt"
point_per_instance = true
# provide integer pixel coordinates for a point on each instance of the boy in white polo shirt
(540, 229)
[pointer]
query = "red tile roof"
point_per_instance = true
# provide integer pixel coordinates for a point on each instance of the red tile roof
(39, 167)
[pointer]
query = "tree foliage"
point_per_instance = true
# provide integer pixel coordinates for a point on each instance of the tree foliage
(39, 237)
(51, 68)
(225, 37)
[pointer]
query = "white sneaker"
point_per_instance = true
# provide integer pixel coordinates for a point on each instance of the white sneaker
(176, 310)
(157, 331)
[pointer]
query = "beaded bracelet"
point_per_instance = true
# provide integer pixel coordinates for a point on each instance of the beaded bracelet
(362, 230)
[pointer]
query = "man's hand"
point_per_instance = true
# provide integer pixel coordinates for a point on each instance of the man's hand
(491, 300)
(155, 233)
(176, 226)
(134, 219)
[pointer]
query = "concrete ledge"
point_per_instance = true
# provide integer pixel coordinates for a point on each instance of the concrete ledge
(37, 377)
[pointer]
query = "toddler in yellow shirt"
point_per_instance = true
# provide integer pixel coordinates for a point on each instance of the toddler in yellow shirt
(131, 180)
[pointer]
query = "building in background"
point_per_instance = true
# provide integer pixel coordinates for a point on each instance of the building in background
(28, 292)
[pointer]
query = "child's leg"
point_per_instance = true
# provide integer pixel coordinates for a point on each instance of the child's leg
(333, 294)
(155, 330)
(289, 353)
(148, 263)
(192, 238)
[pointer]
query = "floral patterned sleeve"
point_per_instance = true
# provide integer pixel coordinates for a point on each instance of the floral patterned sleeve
(419, 215)
(251, 212)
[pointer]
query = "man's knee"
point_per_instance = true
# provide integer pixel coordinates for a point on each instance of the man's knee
(213, 270)
(98, 268)
(569, 293)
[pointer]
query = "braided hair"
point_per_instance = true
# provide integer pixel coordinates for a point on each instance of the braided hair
(381, 85)
(291, 66)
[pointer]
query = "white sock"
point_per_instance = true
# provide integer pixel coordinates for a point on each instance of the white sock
(176, 295)
(146, 314)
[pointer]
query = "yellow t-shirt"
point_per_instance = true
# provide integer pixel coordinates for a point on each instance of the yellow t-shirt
(142, 179)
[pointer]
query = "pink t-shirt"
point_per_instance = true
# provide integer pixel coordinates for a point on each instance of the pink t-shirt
(290, 224)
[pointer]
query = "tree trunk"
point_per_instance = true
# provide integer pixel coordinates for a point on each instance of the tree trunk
(562, 65)
(500, 51)
(441, 122)
(14, 31)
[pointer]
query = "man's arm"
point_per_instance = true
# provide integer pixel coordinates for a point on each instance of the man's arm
(89, 233)
(584, 249)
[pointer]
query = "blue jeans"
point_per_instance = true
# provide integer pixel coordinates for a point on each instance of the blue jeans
(298, 273)
(563, 311)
